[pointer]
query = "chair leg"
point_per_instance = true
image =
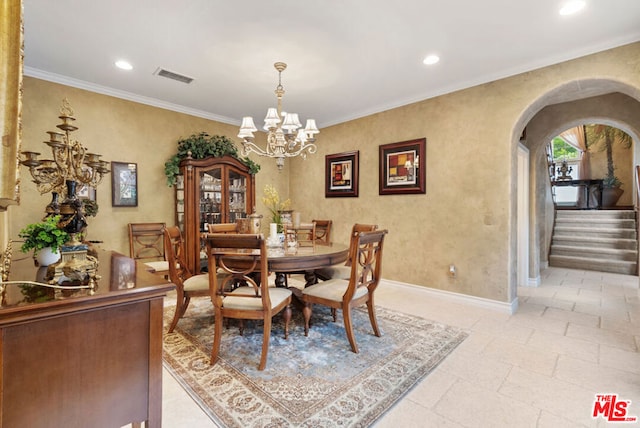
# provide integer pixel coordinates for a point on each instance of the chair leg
(348, 326)
(306, 311)
(372, 317)
(266, 335)
(334, 314)
(287, 318)
(217, 336)
(181, 307)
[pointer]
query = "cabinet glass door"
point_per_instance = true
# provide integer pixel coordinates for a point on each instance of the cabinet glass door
(211, 202)
(238, 204)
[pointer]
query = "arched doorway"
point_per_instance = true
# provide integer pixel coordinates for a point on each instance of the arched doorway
(610, 103)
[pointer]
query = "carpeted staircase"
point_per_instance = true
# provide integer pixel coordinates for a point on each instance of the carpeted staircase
(600, 240)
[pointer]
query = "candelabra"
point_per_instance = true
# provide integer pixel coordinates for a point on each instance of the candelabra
(285, 138)
(71, 161)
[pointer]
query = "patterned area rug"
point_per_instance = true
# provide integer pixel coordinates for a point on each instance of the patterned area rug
(309, 381)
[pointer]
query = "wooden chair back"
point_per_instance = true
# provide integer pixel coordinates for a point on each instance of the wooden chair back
(355, 231)
(222, 227)
(242, 259)
(366, 262)
(175, 252)
(146, 241)
(303, 235)
(323, 231)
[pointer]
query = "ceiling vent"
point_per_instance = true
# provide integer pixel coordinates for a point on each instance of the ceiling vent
(175, 76)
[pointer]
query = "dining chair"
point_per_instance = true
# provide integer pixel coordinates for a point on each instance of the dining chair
(187, 284)
(343, 271)
(146, 243)
(366, 265)
(323, 231)
(242, 258)
(302, 235)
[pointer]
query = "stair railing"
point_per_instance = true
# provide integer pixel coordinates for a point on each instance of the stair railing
(637, 211)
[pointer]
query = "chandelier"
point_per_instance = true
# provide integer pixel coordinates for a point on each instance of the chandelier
(285, 136)
(71, 161)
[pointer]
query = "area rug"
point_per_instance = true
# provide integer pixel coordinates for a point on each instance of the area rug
(313, 381)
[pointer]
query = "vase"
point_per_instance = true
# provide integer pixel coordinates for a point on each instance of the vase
(46, 256)
(610, 196)
(54, 206)
(72, 218)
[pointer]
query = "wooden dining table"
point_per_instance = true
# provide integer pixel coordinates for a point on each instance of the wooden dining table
(305, 259)
(285, 260)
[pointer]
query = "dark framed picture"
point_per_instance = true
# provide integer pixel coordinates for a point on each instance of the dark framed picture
(403, 167)
(341, 174)
(124, 184)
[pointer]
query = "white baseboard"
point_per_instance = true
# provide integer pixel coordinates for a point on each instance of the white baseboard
(534, 282)
(481, 302)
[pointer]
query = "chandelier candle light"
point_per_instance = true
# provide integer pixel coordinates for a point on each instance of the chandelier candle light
(285, 136)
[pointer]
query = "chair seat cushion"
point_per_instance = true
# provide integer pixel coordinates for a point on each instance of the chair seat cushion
(335, 272)
(332, 289)
(197, 283)
(159, 266)
(277, 296)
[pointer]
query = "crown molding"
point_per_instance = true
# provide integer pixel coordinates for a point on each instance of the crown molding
(104, 90)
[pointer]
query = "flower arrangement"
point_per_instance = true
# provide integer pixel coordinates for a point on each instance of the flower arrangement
(44, 234)
(271, 199)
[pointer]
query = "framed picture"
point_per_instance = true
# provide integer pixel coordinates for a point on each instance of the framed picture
(402, 167)
(341, 175)
(124, 184)
(87, 192)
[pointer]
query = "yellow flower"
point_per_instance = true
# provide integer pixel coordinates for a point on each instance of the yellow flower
(271, 199)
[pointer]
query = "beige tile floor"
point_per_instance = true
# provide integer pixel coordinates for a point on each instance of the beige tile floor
(576, 335)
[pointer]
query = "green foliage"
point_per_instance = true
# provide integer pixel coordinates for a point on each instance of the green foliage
(611, 181)
(605, 137)
(90, 207)
(562, 150)
(44, 234)
(201, 146)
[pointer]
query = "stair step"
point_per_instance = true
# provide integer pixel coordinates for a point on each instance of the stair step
(594, 242)
(623, 223)
(590, 252)
(596, 232)
(596, 264)
(621, 214)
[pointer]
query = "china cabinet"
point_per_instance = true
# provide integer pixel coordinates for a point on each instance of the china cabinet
(210, 190)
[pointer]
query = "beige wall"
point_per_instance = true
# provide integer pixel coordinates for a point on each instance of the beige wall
(466, 218)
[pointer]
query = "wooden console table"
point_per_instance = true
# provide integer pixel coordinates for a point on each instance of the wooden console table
(79, 359)
(587, 186)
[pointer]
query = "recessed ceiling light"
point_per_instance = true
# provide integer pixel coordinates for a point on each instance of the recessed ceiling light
(431, 59)
(572, 6)
(124, 65)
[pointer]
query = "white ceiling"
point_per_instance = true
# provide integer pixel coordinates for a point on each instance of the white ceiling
(347, 58)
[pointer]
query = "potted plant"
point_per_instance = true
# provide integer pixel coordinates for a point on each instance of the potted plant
(45, 239)
(201, 146)
(606, 136)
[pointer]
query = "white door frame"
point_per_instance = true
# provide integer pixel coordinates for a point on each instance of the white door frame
(523, 217)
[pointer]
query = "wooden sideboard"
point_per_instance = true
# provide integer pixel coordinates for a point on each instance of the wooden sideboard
(79, 359)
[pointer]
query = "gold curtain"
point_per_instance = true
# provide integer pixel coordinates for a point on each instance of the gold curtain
(11, 63)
